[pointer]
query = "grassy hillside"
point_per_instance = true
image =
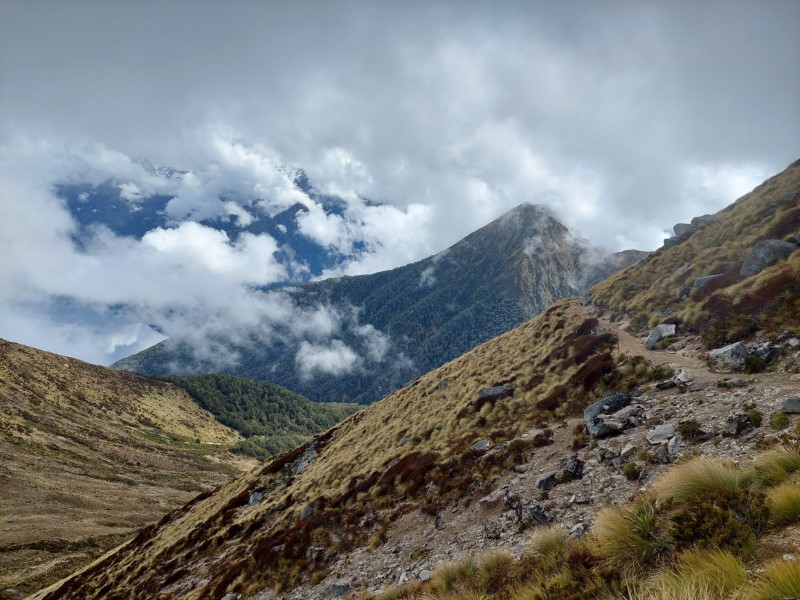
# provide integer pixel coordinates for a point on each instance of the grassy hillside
(270, 417)
(411, 448)
(425, 313)
(731, 307)
(89, 456)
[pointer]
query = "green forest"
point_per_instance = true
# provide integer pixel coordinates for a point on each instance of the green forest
(271, 418)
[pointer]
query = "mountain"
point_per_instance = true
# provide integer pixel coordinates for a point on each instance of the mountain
(90, 455)
(127, 212)
(406, 321)
(549, 431)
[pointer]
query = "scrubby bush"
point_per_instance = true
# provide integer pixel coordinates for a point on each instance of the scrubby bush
(779, 420)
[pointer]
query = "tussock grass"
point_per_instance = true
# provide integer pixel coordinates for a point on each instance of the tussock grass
(550, 541)
(699, 574)
(775, 466)
(626, 537)
(700, 476)
(780, 580)
(784, 503)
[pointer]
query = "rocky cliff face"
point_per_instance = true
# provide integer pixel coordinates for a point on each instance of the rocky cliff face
(391, 327)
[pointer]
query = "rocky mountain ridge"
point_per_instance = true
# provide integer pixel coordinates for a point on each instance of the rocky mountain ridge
(420, 315)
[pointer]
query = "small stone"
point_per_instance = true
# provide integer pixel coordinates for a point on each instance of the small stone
(231, 596)
(577, 531)
(660, 434)
(789, 557)
(307, 511)
(683, 376)
(699, 386)
(629, 451)
(403, 577)
(255, 498)
(791, 405)
(672, 445)
(665, 385)
(425, 575)
(546, 481)
(481, 446)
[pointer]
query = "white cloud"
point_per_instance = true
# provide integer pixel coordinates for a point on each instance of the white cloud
(337, 358)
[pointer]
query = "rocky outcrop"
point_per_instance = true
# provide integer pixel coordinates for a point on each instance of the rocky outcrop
(684, 230)
(593, 416)
(729, 358)
(660, 332)
(765, 253)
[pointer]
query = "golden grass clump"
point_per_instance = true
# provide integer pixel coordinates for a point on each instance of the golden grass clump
(625, 535)
(780, 580)
(775, 466)
(699, 573)
(699, 476)
(784, 503)
(550, 541)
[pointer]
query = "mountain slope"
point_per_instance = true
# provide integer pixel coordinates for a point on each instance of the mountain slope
(467, 457)
(406, 321)
(726, 306)
(90, 455)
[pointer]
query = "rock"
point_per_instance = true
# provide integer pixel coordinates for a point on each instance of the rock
(572, 464)
(539, 438)
(660, 434)
(765, 253)
(699, 386)
(791, 405)
(763, 350)
(629, 451)
(617, 462)
(403, 578)
(738, 424)
(682, 229)
(255, 498)
(592, 416)
(231, 596)
(546, 481)
(579, 530)
(442, 385)
(493, 394)
(729, 358)
(425, 575)
(538, 514)
(307, 511)
(793, 342)
(683, 376)
(481, 446)
(701, 220)
(667, 384)
(660, 332)
(701, 282)
(684, 292)
(672, 445)
(308, 457)
(662, 454)
(339, 590)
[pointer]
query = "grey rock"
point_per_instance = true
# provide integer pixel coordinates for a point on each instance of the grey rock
(579, 530)
(660, 332)
(791, 405)
(662, 454)
(729, 358)
(255, 498)
(765, 253)
(308, 457)
(764, 350)
(592, 416)
(683, 376)
(493, 394)
(793, 342)
(660, 434)
(538, 514)
(617, 462)
(425, 575)
(702, 282)
(672, 445)
(666, 384)
(699, 386)
(231, 596)
(403, 577)
(629, 451)
(573, 465)
(682, 268)
(701, 220)
(682, 229)
(442, 385)
(738, 424)
(307, 511)
(684, 292)
(481, 446)
(546, 481)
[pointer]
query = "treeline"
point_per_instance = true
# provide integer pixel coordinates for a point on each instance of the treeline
(270, 417)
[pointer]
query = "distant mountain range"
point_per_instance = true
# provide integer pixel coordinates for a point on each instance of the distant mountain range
(401, 323)
(106, 205)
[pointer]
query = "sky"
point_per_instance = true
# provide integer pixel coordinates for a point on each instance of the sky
(623, 117)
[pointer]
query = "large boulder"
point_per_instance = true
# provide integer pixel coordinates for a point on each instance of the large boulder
(729, 358)
(593, 415)
(660, 332)
(703, 281)
(765, 253)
